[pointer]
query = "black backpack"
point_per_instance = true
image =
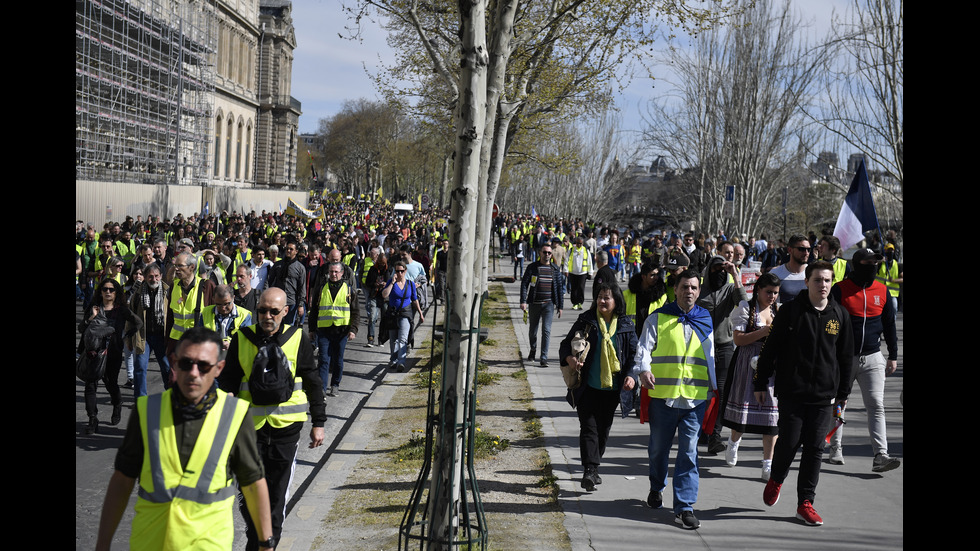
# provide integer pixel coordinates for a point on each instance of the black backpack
(271, 381)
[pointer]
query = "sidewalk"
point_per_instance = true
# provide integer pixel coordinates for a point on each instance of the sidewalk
(861, 509)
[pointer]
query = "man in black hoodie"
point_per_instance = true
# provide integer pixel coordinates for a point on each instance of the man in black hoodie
(811, 349)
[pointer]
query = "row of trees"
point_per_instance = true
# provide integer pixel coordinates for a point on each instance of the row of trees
(484, 82)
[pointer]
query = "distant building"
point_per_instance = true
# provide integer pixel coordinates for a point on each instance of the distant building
(185, 92)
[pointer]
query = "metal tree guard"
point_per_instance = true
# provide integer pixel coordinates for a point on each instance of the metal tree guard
(472, 530)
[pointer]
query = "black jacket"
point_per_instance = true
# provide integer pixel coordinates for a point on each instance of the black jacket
(810, 351)
(626, 344)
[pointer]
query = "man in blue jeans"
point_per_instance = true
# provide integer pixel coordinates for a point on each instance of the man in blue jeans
(334, 323)
(676, 368)
(541, 297)
(150, 305)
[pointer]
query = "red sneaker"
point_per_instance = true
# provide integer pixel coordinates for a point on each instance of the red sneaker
(808, 515)
(771, 494)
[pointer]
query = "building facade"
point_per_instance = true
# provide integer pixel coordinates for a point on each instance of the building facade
(176, 92)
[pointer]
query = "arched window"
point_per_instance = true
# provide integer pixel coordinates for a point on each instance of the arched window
(217, 146)
(238, 152)
(228, 147)
(248, 149)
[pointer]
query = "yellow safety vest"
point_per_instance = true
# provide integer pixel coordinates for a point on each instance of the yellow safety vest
(334, 311)
(884, 274)
(192, 508)
(630, 299)
(209, 319)
(283, 414)
(840, 266)
(680, 369)
(368, 264)
(183, 307)
(126, 251)
(570, 265)
(634, 255)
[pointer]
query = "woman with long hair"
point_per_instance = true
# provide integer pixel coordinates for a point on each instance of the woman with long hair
(751, 323)
(604, 372)
(109, 306)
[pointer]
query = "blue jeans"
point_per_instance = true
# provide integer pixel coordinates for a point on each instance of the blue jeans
(158, 344)
(664, 422)
(398, 341)
(518, 268)
(331, 358)
(542, 313)
(371, 306)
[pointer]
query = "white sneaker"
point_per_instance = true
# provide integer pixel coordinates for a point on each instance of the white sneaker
(731, 453)
(766, 469)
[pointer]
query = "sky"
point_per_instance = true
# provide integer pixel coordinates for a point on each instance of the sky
(328, 69)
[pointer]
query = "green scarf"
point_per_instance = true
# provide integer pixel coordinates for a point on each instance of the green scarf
(609, 361)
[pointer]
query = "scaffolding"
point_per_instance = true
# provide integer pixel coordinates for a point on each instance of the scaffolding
(144, 87)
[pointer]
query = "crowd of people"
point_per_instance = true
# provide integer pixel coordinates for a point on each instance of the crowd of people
(684, 330)
(221, 301)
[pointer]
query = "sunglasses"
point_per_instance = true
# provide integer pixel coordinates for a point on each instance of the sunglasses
(186, 364)
(803, 249)
(109, 289)
(264, 311)
(399, 271)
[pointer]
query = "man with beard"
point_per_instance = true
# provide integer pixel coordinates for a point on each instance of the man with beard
(277, 425)
(150, 305)
(872, 316)
(721, 293)
(792, 274)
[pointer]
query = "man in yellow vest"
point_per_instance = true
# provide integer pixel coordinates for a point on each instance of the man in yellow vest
(187, 491)
(577, 267)
(334, 320)
(189, 295)
(889, 275)
(278, 424)
(675, 366)
(224, 317)
(644, 294)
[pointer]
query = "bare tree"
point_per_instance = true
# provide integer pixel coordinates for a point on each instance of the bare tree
(735, 120)
(864, 87)
(589, 173)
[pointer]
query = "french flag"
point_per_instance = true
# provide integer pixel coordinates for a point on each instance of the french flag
(857, 214)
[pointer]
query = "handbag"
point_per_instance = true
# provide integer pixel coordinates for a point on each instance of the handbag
(580, 349)
(90, 366)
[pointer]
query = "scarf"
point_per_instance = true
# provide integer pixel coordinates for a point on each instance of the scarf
(187, 410)
(609, 362)
(698, 318)
(159, 303)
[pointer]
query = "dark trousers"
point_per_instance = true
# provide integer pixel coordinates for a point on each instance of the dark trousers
(111, 381)
(277, 448)
(806, 426)
(724, 352)
(596, 411)
(576, 287)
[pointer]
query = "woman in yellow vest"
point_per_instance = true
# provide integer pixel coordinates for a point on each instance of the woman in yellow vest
(604, 372)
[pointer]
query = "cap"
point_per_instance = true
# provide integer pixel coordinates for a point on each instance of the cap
(889, 246)
(186, 241)
(678, 261)
(861, 255)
